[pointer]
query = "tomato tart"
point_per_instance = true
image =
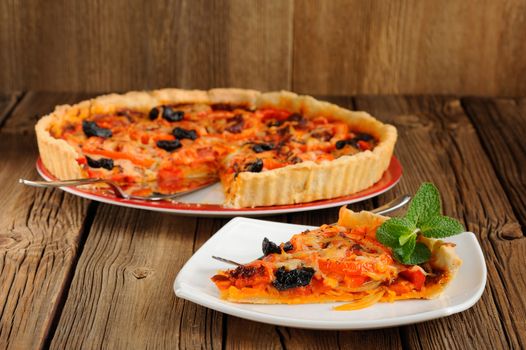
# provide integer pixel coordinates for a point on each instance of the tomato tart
(338, 262)
(265, 148)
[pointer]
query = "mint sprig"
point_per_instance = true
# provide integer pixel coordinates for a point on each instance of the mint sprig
(424, 217)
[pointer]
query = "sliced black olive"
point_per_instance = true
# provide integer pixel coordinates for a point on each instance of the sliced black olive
(299, 277)
(169, 145)
(92, 129)
(181, 133)
(154, 113)
(262, 147)
(270, 247)
(340, 144)
(255, 166)
(287, 247)
(363, 137)
(172, 115)
(105, 163)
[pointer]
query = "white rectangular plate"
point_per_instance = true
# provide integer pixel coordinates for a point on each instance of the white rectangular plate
(240, 240)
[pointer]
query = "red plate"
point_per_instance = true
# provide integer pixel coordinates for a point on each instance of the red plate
(199, 203)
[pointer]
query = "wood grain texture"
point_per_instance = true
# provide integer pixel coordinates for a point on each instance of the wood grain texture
(501, 124)
(438, 143)
(121, 295)
(316, 47)
(124, 45)
(40, 232)
(410, 46)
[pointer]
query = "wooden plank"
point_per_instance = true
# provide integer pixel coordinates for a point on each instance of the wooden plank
(120, 46)
(40, 234)
(7, 104)
(501, 125)
(121, 295)
(438, 143)
(410, 46)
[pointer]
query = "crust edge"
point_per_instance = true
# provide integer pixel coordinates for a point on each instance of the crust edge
(59, 157)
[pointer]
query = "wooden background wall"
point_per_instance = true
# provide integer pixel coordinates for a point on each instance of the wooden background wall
(319, 47)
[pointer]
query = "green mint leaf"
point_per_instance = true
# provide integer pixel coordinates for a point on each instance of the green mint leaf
(404, 251)
(419, 255)
(425, 205)
(390, 232)
(406, 237)
(440, 227)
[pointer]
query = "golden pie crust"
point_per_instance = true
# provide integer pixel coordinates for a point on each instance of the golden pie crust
(298, 183)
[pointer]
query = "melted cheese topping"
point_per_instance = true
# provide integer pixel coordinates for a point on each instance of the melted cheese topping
(227, 141)
(348, 264)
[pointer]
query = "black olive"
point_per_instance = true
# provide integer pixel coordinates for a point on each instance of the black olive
(92, 129)
(181, 133)
(105, 163)
(340, 144)
(363, 137)
(154, 113)
(287, 247)
(299, 277)
(171, 115)
(255, 166)
(262, 147)
(169, 145)
(270, 247)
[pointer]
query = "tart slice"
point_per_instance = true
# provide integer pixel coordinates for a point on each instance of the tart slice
(340, 262)
(266, 148)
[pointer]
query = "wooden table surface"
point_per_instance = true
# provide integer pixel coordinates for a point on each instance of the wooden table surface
(75, 273)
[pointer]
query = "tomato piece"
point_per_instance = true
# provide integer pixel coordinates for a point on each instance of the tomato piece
(122, 178)
(364, 145)
(415, 276)
(355, 281)
(170, 179)
(144, 162)
(271, 163)
(272, 113)
(341, 268)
